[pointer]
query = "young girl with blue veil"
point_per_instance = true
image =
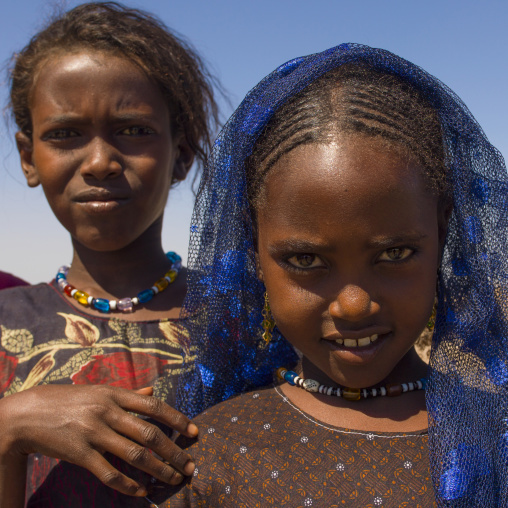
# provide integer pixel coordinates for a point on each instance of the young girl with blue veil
(350, 202)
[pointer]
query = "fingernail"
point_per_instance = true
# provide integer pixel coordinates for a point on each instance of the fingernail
(141, 492)
(177, 478)
(192, 430)
(189, 468)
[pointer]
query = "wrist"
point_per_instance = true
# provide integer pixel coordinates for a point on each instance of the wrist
(9, 436)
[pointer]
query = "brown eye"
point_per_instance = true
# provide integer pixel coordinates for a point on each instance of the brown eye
(137, 130)
(305, 261)
(396, 254)
(62, 134)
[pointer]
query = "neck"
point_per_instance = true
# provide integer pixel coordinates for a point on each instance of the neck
(405, 413)
(122, 272)
(410, 368)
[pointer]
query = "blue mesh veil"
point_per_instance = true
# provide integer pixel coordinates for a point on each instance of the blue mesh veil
(468, 374)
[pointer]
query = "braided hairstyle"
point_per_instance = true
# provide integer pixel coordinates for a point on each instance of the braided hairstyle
(354, 98)
(138, 36)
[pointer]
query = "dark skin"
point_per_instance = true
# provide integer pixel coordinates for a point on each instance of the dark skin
(105, 155)
(349, 243)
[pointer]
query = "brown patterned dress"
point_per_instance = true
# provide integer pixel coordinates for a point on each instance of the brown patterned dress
(258, 450)
(44, 339)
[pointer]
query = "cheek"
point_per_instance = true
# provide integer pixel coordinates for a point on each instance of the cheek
(54, 170)
(297, 312)
(410, 300)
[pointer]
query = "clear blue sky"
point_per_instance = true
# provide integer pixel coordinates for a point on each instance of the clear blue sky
(462, 42)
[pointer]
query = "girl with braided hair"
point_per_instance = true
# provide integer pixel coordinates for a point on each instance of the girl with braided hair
(349, 203)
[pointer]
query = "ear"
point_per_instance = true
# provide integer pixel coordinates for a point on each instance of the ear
(25, 149)
(184, 159)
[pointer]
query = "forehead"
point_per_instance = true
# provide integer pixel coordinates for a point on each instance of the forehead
(68, 81)
(353, 182)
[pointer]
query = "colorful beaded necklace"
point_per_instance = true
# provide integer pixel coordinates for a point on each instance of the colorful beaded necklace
(125, 304)
(390, 390)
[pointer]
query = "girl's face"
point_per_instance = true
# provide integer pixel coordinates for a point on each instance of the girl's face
(349, 246)
(102, 147)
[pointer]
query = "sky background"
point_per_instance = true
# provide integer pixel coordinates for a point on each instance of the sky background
(462, 42)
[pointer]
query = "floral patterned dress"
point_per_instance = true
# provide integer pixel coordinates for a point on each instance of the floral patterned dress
(46, 340)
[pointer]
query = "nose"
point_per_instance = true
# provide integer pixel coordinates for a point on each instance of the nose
(102, 161)
(353, 303)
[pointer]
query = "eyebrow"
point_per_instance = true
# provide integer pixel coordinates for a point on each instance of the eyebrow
(61, 119)
(388, 241)
(119, 117)
(298, 245)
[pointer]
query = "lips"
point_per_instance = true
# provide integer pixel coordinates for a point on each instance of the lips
(357, 348)
(100, 195)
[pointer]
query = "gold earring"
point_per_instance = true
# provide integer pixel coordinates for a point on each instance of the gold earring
(268, 323)
(432, 319)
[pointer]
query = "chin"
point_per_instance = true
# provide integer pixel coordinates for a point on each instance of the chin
(359, 379)
(103, 243)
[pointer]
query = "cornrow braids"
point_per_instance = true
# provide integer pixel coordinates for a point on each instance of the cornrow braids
(355, 98)
(138, 36)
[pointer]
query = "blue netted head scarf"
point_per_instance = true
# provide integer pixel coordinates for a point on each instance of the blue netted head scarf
(467, 396)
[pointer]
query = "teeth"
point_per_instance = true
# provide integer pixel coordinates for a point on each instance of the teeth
(364, 341)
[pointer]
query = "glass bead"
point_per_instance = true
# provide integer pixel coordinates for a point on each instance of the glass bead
(81, 297)
(125, 305)
(145, 296)
(393, 390)
(101, 304)
(351, 393)
(161, 284)
(280, 372)
(171, 274)
(68, 289)
(62, 283)
(173, 257)
(289, 377)
(310, 385)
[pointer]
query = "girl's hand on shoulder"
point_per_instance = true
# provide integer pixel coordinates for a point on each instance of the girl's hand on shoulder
(80, 423)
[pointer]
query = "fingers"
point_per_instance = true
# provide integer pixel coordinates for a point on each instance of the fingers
(156, 409)
(145, 391)
(150, 437)
(141, 458)
(111, 477)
